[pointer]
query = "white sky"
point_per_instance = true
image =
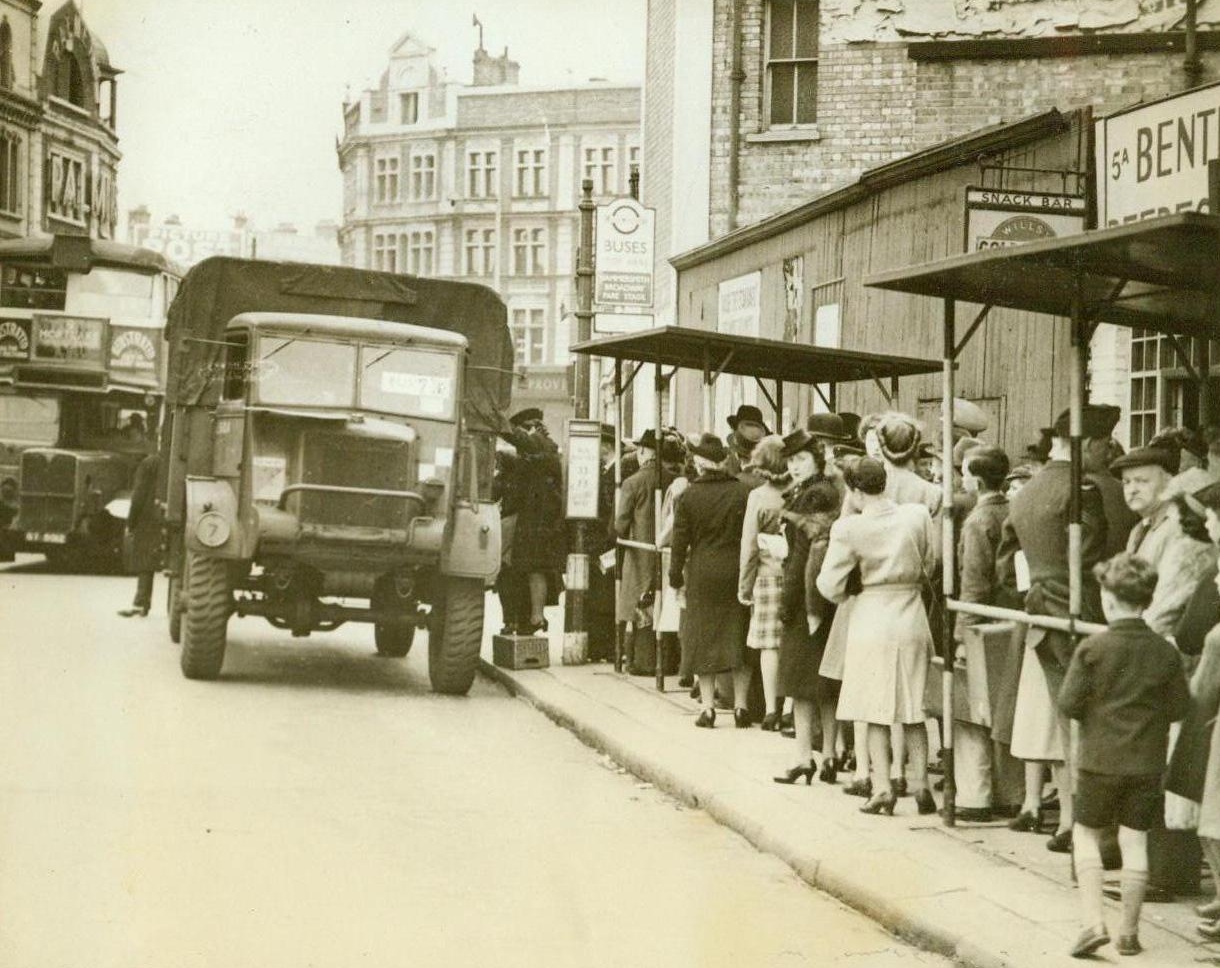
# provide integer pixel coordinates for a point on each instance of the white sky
(229, 105)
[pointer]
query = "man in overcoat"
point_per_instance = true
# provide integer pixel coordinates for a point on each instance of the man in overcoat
(635, 520)
(144, 534)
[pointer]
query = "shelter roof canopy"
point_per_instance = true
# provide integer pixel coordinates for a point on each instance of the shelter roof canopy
(700, 349)
(1161, 274)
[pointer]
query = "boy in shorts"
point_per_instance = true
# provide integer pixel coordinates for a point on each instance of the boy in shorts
(1124, 686)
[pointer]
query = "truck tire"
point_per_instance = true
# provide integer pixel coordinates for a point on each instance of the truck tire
(209, 601)
(393, 639)
(455, 635)
(174, 606)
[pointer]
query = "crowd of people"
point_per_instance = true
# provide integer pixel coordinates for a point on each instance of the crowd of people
(800, 593)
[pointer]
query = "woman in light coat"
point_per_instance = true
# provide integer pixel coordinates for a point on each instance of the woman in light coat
(762, 568)
(889, 642)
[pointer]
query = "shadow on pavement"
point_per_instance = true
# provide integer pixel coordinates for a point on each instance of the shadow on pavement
(334, 668)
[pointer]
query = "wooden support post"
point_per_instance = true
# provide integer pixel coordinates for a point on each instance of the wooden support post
(658, 583)
(618, 496)
(947, 559)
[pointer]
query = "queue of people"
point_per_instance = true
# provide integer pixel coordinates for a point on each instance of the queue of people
(800, 581)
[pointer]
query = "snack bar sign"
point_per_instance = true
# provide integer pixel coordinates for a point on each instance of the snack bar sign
(1152, 159)
(999, 219)
(70, 340)
(622, 273)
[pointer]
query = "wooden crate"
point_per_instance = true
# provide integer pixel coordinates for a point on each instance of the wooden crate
(520, 651)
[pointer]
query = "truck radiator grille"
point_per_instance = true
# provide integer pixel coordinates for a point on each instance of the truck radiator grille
(340, 460)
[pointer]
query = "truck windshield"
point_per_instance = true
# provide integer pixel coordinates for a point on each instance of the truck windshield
(29, 420)
(411, 382)
(305, 372)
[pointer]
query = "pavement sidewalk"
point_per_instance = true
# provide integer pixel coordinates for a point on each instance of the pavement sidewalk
(979, 892)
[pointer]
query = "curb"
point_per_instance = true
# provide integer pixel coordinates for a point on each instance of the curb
(832, 878)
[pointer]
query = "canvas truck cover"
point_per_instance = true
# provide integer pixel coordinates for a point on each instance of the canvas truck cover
(217, 289)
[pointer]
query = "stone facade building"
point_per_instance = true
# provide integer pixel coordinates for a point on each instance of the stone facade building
(801, 98)
(59, 152)
(481, 181)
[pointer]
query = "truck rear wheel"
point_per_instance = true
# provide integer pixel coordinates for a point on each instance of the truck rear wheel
(175, 606)
(455, 635)
(208, 603)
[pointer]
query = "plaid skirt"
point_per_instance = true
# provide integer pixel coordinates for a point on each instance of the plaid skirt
(765, 626)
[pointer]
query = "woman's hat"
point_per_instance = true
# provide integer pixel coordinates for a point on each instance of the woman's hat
(969, 416)
(749, 414)
(1097, 420)
(647, 439)
(799, 440)
(899, 437)
(829, 426)
(710, 447)
(522, 417)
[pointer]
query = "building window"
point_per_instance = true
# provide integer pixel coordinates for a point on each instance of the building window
(531, 172)
(1145, 385)
(6, 55)
(423, 176)
(481, 171)
(599, 166)
(633, 159)
(419, 249)
(387, 180)
(409, 107)
(66, 188)
(10, 173)
(529, 252)
(792, 62)
(385, 253)
(480, 252)
(529, 336)
(105, 204)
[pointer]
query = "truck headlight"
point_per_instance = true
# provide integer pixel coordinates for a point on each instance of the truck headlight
(212, 530)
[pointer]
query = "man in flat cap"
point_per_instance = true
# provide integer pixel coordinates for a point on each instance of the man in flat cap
(1181, 562)
(1037, 527)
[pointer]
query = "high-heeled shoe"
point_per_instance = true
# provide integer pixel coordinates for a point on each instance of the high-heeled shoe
(707, 719)
(849, 762)
(829, 771)
(794, 774)
(859, 788)
(770, 723)
(881, 803)
(741, 719)
(925, 802)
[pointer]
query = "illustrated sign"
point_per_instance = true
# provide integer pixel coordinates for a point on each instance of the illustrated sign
(14, 339)
(584, 468)
(1152, 158)
(134, 353)
(739, 305)
(622, 273)
(74, 340)
(998, 219)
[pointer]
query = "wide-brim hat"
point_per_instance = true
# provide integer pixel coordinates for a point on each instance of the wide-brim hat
(1147, 457)
(799, 440)
(887, 432)
(828, 426)
(851, 423)
(710, 447)
(969, 416)
(525, 416)
(1097, 420)
(749, 414)
(647, 439)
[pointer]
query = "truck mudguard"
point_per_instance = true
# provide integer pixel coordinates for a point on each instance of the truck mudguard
(213, 524)
(473, 550)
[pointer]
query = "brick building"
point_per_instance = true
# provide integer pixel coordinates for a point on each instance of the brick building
(59, 152)
(481, 181)
(803, 98)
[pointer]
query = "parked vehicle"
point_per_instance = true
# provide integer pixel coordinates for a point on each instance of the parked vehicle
(82, 377)
(331, 438)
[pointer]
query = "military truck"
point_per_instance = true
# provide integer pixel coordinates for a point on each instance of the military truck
(329, 451)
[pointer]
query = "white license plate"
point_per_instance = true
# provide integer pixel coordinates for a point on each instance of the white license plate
(38, 537)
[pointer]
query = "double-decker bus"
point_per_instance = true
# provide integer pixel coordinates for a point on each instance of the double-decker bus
(82, 378)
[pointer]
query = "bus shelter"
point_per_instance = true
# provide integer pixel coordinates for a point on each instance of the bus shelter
(1161, 275)
(672, 348)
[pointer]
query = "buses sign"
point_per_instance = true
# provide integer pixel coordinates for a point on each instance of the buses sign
(622, 273)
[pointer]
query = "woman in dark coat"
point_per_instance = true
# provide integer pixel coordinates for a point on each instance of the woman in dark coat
(707, 533)
(144, 534)
(810, 507)
(540, 538)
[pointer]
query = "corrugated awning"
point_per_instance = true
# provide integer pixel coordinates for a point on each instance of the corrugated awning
(1161, 274)
(768, 359)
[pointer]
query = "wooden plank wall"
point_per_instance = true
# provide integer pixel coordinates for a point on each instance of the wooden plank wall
(1017, 362)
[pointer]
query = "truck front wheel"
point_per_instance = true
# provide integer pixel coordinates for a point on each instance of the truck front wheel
(208, 603)
(455, 635)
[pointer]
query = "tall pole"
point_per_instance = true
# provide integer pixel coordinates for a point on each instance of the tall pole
(576, 626)
(947, 564)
